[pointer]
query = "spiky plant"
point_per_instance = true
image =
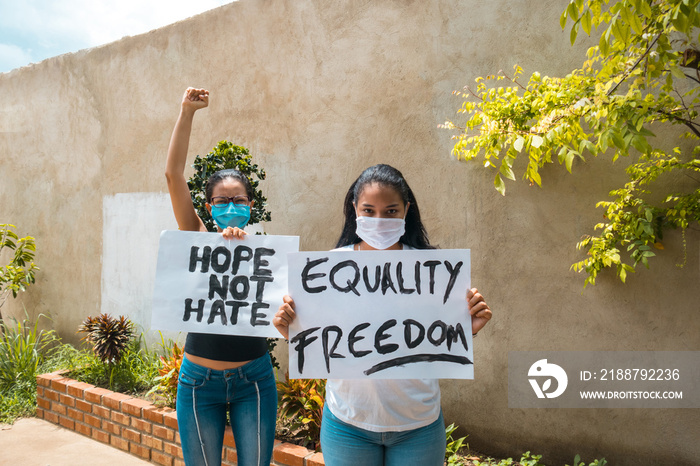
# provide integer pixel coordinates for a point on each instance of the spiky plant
(109, 337)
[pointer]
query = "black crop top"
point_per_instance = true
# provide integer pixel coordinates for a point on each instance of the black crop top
(229, 348)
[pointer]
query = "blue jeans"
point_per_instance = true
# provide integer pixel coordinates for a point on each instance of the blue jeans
(346, 445)
(204, 396)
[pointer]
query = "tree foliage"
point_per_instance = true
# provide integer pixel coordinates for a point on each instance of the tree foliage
(21, 270)
(301, 404)
(640, 79)
(224, 156)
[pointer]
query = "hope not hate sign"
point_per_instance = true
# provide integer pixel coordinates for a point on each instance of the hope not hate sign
(381, 314)
(207, 284)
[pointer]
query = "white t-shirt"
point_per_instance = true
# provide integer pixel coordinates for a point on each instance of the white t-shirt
(384, 405)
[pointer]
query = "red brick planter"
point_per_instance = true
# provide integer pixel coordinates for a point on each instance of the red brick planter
(134, 425)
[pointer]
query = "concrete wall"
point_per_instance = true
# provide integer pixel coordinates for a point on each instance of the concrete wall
(319, 90)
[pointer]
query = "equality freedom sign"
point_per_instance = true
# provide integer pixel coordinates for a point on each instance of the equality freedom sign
(208, 284)
(381, 314)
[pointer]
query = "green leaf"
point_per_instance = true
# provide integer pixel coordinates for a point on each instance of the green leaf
(574, 32)
(519, 143)
(676, 71)
(507, 172)
(562, 19)
(636, 24)
(603, 43)
(562, 154)
(500, 185)
(536, 141)
(640, 143)
(586, 22)
(572, 11)
(569, 160)
(646, 133)
(680, 22)
(618, 140)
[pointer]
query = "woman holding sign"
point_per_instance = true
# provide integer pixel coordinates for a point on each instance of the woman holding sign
(390, 422)
(220, 374)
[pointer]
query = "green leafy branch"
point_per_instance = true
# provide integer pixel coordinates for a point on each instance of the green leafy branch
(631, 81)
(20, 272)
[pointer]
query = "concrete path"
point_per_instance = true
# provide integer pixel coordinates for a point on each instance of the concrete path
(35, 442)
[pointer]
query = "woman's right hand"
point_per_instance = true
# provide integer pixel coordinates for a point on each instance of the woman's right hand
(233, 233)
(284, 316)
(194, 98)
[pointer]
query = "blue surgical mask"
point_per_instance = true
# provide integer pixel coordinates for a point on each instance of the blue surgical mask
(230, 215)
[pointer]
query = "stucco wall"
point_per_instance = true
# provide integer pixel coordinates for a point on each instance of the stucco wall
(319, 90)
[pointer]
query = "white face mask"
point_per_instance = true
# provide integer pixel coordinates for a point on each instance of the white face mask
(380, 233)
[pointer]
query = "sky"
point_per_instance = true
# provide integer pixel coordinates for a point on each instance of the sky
(33, 30)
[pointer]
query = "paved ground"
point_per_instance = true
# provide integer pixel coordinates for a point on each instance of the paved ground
(35, 442)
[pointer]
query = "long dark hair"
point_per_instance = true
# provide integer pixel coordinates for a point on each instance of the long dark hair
(384, 175)
(221, 175)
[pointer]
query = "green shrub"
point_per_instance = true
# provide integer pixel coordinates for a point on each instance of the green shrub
(578, 462)
(118, 360)
(534, 460)
(453, 446)
(224, 156)
(301, 406)
(20, 271)
(23, 350)
(18, 401)
(525, 460)
(134, 373)
(168, 374)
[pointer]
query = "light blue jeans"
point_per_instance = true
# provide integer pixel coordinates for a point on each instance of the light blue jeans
(247, 393)
(346, 445)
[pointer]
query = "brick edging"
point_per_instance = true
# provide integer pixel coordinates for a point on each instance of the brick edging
(135, 425)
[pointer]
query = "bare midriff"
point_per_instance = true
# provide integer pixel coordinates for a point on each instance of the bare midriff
(214, 364)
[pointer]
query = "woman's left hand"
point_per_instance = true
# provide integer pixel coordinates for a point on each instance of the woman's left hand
(478, 309)
(233, 233)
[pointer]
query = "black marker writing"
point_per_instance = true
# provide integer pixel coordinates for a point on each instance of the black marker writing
(328, 354)
(437, 334)
(307, 277)
(353, 338)
(302, 342)
(230, 291)
(347, 276)
(402, 361)
(351, 284)
(453, 271)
